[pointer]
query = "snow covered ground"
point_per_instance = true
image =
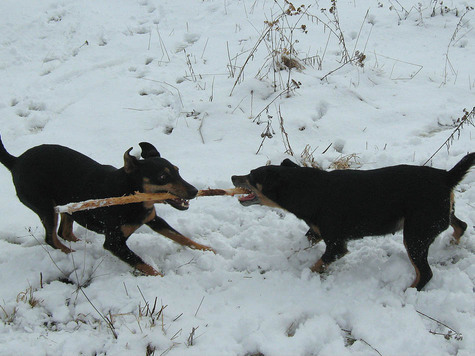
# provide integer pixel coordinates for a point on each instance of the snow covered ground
(102, 76)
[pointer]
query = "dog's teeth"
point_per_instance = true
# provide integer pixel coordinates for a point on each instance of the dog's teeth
(247, 197)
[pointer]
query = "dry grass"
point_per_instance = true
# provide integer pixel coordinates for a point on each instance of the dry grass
(307, 159)
(28, 297)
(346, 162)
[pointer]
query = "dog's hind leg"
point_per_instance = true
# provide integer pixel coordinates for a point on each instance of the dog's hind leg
(115, 242)
(417, 252)
(459, 227)
(334, 250)
(159, 225)
(50, 222)
(421, 226)
(65, 230)
(419, 232)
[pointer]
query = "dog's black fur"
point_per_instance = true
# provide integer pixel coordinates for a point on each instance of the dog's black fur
(49, 175)
(348, 204)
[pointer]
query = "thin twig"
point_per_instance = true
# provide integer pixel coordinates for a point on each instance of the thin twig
(285, 136)
(231, 69)
(204, 48)
(187, 263)
(268, 105)
(326, 149)
(261, 38)
(359, 33)
(46, 250)
(162, 45)
(350, 337)
(190, 340)
(212, 90)
(176, 335)
(199, 306)
(334, 70)
(458, 335)
(108, 321)
(232, 112)
(467, 117)
(401, 61)
(452, 39)
(177, 317)
(201, 127)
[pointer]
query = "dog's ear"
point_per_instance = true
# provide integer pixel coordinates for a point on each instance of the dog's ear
(288, 163)
(130, 162)
(148, 150)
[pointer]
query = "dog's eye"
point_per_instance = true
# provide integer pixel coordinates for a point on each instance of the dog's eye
(163, 176)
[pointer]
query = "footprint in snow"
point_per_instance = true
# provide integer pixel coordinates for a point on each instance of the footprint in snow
(191, 37)
(188, 39)
(145, 92)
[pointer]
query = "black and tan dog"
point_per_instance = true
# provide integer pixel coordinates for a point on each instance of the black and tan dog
(348, 204)
(49, 175)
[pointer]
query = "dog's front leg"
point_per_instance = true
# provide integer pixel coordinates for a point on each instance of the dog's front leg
(334, 250)
(115, 242)
(159, 225)
(314, 235)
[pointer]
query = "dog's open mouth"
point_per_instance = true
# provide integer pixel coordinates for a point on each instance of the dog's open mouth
(179, 203)
(249, 199)
(243, 182)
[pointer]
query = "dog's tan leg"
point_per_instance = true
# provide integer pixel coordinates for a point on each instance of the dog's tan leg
(159, 225)
(318, 267)
(65, 230)
(418, 257)
(459, 227)
(418, 274)
(333, 251)
(52, 237)
(148, 270)
(183, 240)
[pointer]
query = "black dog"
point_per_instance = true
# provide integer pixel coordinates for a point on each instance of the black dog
(50, 175)
(349, 204)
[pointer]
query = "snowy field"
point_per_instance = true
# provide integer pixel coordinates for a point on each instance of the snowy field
(371, 83)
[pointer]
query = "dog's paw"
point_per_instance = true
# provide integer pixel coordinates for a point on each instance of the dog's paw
(58, 245)
(69, 237)
(318, 267)
(147, 270)
(207, 248)
(455, 239)
(197, 246)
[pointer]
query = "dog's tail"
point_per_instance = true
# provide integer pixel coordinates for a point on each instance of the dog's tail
(6, 158)
(456, 174)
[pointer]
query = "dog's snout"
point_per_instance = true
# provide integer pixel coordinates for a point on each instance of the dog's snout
(192, 191)
(188, 191)
(238, 180)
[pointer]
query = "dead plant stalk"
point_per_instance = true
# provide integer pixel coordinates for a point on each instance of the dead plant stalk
(467, 118)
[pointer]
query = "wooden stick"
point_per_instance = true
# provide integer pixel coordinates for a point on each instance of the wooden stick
(139, 198)
(213, 192)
